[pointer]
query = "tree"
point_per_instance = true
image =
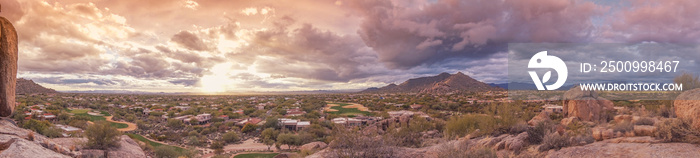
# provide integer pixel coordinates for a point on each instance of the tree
(102, 135)
(289, 140)
(269, 136)
(231, 137)
(248, 128)
(175, 123)
(271, 122)
(218, 147)
(688, 80)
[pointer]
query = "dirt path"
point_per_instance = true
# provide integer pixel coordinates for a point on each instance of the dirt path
(131, 126)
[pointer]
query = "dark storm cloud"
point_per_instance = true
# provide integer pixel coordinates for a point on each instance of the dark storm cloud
(406, 35)
(307, 52)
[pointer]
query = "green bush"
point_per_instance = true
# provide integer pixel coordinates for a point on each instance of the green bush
(102, 135)
(165, 152)
(460, 126)
(231, 137)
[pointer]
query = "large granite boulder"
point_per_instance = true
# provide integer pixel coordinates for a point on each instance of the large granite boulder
(14, 146)
(687, 107)
(585, 105)
(8, 67)
(19, 142)
(128, 148)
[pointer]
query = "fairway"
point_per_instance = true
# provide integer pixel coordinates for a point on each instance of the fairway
(152, 143)
(346, 109)
(84, 112)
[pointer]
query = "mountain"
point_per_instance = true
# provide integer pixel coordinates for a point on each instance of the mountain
(524, 86)
(442, 83)
(28, 86)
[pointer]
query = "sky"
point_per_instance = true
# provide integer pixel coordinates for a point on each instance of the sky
(299, 45)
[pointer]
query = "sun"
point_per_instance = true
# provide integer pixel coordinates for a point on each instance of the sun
(218, 80)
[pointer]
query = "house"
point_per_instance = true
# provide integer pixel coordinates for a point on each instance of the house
(49, 116)
(203, 118)
(403, 113)
(347, 121)
(239, 111)
(69, 130)
(416, 106)
(293, 124)
(550, 108)
(254, 121)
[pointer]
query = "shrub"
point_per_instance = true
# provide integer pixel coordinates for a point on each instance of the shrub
(518, 128)
(466, 124)
(644, 121)
(165, 152)
(677, 130)
(102, 135)
(482, 152)
(623, 127)
(30, 136)
(231, 137)
(248, 128)
(536, 134)
(554, 141)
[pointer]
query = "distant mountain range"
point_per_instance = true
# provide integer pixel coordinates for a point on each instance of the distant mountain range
(25, 86)
(442, 83)
(523, 86)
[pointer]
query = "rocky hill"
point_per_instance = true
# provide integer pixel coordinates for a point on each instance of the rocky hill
(24, 143)
(442, 83)
(25, 86)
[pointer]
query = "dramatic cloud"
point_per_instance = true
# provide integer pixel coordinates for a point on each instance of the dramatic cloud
(272, 45)
(406, 34)
(673, 21)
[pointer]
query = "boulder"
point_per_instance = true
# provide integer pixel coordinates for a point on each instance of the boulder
(8, 128)
(644, 130)
(128, 148)
(600, 133)
(687, 107)
(14, 146)
(636, 150)
(585, 105)
(623, 118)
(543, 116)
(569, 120)
(313, 146)
(8, 67)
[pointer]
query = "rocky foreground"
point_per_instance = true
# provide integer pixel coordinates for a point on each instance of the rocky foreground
(22, 143)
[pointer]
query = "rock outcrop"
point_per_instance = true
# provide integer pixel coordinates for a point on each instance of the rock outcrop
(128, 148)
(8, 67)
(640, 147)
(687, 107)
(19, 142)
(313, 146)
(585, 105)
